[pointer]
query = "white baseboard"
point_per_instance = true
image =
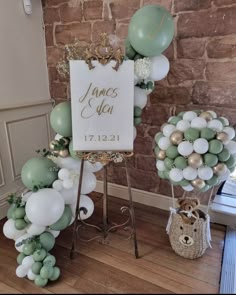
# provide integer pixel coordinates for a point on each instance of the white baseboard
(158, 201)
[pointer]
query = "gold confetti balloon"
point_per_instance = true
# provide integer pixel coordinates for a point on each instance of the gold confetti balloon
(223, 136)
(198, 183)
(220, 169)
(63, 153)
(206, 115)
(161, 155)
(195, 160)
(176, 137)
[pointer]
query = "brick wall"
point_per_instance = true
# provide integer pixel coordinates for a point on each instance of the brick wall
(202, 72)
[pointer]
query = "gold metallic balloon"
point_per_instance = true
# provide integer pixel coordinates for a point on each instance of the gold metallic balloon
(206, 115)
(52, 144)
(161, 155)
(220, 169)
(198, 183)
(223, 136)
(176, 137)
(162, 126)
(63, 153)
(195, 160)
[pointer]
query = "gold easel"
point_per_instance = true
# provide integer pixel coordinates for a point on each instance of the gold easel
(104, 53)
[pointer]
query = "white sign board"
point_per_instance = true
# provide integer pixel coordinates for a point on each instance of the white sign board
(102, 106)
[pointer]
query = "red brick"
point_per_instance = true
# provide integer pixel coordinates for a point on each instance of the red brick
(52, 74)
(49, 35)
(169, 52)
(191, 48)
(183, 5)
(222, 47)
(223, 2)
(165, 3)
(152, 131)
(221, 71)
(207, 23)
(70, 13)
(54, 55)
(184, 70)
(144, 180)
(93, 9)
(143, 145)
(156, 114)
(66, 34)
(214, 93)
(146, 163)
(50, 3)
(165, 189)
(179, 95)
(51, 15)
(58, 90)
(122, 29)
(99, 27)
(124, 8)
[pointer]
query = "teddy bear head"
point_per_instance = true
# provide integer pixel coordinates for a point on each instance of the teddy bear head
(188, 204)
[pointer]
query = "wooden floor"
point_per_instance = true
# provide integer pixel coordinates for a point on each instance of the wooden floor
(113, 269)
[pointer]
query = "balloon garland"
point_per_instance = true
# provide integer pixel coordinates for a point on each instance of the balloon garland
(35, 218)
(196, 150)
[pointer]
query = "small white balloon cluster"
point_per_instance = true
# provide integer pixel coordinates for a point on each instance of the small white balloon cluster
(196, 150)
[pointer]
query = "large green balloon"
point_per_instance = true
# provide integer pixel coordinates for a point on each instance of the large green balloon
(60, 119)
(151, 30)
(38, 172)
(64, 221)
(47, 240)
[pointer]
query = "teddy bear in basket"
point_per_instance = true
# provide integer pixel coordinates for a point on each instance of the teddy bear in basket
(188, 209)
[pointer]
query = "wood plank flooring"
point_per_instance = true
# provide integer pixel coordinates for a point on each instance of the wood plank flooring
(112, 268)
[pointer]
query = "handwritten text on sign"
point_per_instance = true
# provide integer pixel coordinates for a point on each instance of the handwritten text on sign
(102, 106)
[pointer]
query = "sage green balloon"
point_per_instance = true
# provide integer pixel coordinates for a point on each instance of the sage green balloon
(181, 114)
(20, 212)
(137, 121)
(47, 240)
(224, 155)
(72, 152)
(56, 274)
(40, 282)
(151, 30)
(129, 50)
(46, 271)
(174, 120)
(180, 162)
(222, 121)
(39, 172)
(208, 133)
(11, 209)
(231, 169)
(158, 136)
(191, 134)
(50, 260)
(184, 182)
(20, 258)
(156, 150)
(137, 111)
(161, 174)
(215, 146)
(36, 267)
(205, 188)
(213, 181)
(168, 163)
(64, 221)
(172, 152)
(210, 160)
(230, 163)
(138, 56)
(20, 224)
(60, 119)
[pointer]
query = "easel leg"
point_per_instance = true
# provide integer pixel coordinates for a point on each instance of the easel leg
(132, 211)
(77, 212)
(105, 204)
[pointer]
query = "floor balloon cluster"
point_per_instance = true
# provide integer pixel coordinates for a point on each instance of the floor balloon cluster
(36, 217)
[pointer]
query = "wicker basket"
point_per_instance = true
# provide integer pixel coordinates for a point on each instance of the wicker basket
(189, 240)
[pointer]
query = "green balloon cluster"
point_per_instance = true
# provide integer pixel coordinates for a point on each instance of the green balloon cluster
(195, 150)
(60, 119)
(137, 116)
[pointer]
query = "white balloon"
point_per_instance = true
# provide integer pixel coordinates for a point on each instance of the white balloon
(198, 123)
(201, 145)
(30, 275)
(136, 79)
(10, 231)
(185, 148)
(68, 183)
(58, 136)
(176, 174)
(92, 167)
(21, 271)
(226, 121)
(205, 173)
(182, 125)
(168, 130)
(26, 196)
(140, 97)
(188, 188)
(69, 195)
(55, 233)
(160, 165)
(189, 116)
(57, 185)
(214, 115)
(68, 162)
(64, 174)
(160, 67)
(28, 261)
(215, 125)
(230, 131)
(19, 242)
(135, 133)
(87, 203)
(190, 173)
(45, 207)
(164, 143)
(231, 147)
(35, 229)
(88, 183)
